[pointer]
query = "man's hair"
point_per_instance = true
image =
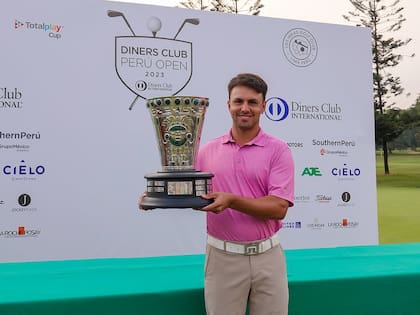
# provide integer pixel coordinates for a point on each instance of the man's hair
(249, 80)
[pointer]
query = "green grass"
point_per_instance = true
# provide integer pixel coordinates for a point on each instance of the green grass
(399, 198)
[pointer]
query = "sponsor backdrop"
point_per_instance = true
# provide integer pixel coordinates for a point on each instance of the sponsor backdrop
(76, 137)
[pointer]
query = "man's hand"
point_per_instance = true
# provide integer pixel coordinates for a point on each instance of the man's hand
(221, 201)
(141, 200)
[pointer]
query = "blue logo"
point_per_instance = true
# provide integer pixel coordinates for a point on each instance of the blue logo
(277, 109)
(23, 169)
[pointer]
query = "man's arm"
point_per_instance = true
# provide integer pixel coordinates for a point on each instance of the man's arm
(267, 207)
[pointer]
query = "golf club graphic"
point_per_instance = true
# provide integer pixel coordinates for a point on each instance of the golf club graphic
(191, 21)
(112, 13)
(156, 69)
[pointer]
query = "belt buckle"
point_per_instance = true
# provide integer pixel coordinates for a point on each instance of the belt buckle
(251, 249)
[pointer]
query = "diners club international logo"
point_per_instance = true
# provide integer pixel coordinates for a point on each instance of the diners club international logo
(153, 66)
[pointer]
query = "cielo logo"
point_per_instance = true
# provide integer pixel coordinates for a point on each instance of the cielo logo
(346, 172)
(23, 169)
(276, 109)
(54, 30)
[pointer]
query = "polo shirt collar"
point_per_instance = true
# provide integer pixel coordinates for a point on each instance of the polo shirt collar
(259, 140)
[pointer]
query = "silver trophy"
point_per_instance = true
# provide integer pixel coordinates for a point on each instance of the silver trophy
(178, 121)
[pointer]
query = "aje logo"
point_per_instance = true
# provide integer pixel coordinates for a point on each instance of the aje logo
(311, 171)
(277, 109)
(54, 31)
(20, 232)
(10, 98)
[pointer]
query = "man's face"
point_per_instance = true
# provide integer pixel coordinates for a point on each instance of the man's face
(245, 106)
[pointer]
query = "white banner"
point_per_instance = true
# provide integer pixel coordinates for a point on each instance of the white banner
(76, 138)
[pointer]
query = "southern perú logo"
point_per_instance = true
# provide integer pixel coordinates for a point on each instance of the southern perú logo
(153, 66)
(53, 30)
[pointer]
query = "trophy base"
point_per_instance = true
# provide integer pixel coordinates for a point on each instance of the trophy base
(177, 190)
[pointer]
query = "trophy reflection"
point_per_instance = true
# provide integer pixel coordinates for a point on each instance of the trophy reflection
(178, 121)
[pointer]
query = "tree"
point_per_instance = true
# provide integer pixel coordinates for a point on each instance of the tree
(196, 4)
(383, 17)
(229, 6)
(388, 125)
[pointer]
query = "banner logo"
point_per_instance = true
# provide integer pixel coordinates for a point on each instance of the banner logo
(151, 66)
(277, 109)
(300, 47)
(24, 200)
(54, 30)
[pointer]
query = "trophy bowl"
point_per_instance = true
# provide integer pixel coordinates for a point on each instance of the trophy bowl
(178, 122)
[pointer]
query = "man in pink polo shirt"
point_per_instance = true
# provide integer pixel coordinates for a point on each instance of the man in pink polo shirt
(253, 187)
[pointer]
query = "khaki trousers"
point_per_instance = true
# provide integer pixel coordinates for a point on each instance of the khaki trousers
(233, 280)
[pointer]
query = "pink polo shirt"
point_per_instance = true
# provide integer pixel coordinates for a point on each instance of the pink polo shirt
(262, 167)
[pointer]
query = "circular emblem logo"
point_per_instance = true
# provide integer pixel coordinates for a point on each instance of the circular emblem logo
(141, 85)
(276, 109)
(345, 196)
(24, 200)
(300, 47)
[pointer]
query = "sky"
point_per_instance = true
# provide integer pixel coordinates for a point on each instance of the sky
(327, 11)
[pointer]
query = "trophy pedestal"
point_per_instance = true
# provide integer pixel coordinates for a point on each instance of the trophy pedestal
(181, 189)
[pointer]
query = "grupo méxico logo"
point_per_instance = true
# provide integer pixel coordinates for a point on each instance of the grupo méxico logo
(53, 30)
(278, 109)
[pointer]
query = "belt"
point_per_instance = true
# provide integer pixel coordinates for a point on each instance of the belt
(248, 248)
